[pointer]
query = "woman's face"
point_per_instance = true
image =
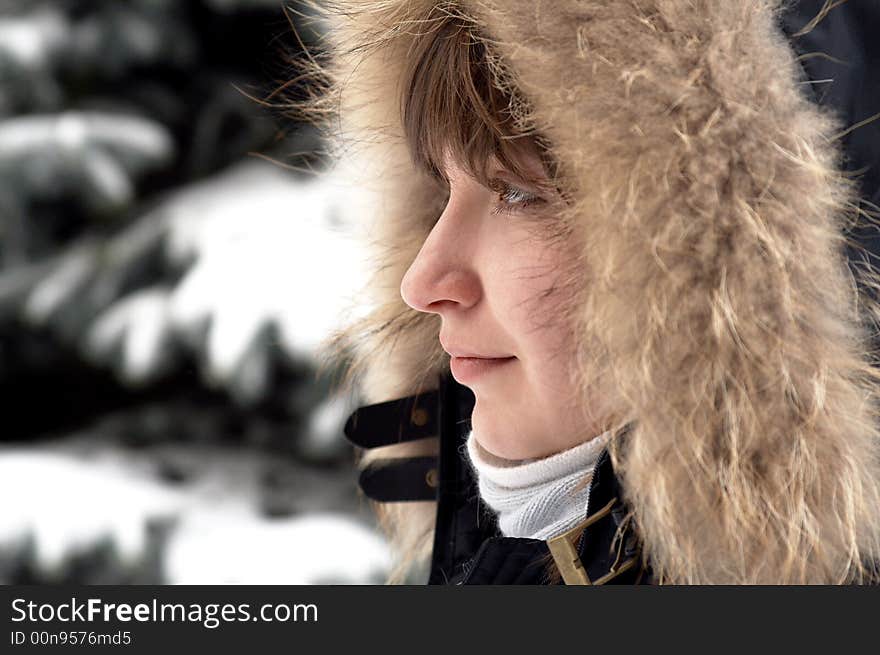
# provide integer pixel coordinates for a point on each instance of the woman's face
(497, 285)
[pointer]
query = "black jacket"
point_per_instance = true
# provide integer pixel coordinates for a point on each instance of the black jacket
(468, 547)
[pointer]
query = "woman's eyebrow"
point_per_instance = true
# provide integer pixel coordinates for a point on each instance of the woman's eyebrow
(508, 176)
(530, 164)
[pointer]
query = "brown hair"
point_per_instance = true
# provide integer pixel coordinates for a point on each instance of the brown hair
(458, 100)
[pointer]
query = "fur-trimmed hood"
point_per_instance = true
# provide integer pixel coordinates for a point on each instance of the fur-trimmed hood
(713, 209)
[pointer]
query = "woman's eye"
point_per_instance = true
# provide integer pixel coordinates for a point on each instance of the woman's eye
(511, 198)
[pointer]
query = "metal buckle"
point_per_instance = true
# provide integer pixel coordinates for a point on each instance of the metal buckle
(564, 550)
(563, 547)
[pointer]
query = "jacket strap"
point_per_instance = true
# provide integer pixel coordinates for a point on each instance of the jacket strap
(400, 479)
(394, 421)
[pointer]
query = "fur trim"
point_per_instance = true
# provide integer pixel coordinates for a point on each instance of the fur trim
(714, 288)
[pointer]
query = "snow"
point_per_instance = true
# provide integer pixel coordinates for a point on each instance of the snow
(76, 493)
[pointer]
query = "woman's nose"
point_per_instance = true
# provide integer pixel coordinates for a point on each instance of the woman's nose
(443, 275)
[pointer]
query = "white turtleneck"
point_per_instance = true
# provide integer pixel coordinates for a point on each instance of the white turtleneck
(535, 498)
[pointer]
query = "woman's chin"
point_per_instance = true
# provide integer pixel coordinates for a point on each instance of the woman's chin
(502, 441)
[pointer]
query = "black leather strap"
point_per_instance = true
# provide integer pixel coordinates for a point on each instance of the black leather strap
(401, 479)
(394, 421)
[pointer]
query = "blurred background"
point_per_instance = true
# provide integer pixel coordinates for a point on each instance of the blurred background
(170, 256)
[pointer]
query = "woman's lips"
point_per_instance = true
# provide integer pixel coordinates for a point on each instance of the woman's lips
(468, 369)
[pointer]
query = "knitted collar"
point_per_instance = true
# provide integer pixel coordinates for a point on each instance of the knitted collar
(536, 498)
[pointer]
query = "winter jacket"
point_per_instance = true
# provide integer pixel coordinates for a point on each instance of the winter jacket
(720, 164)
(468, 546)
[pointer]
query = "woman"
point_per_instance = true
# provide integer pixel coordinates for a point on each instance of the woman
(614, 337)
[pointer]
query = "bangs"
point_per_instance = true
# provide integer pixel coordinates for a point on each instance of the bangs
(457, 104)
